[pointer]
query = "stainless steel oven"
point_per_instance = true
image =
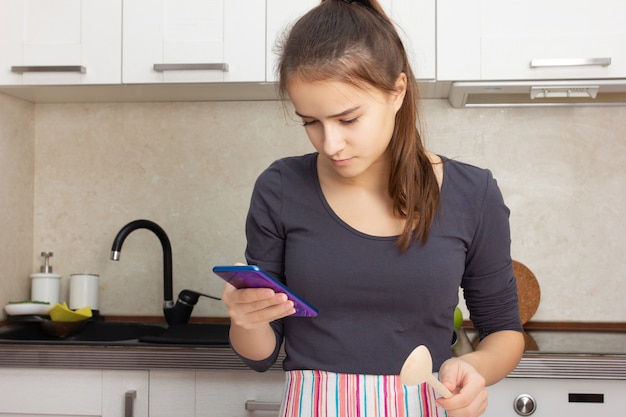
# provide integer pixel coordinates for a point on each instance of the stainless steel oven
(565, 373)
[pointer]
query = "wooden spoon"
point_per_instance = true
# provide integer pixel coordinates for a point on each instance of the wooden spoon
(418, 368)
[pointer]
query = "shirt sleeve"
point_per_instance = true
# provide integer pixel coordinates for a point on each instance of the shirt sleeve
(265, 364)
(489, 285)
(266, 244)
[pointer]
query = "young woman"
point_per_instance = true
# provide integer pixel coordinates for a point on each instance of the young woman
(375, 232)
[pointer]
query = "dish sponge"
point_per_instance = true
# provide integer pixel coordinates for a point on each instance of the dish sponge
(61, 312)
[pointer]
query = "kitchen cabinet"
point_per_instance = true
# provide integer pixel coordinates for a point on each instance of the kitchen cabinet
(190, 41)
(172, 393)
(155, 50)
(533, 39)
(415, 20)
(214, 393)
(60, 42)
(125, 393)
(281, 14)
(73, 392)
(230, 393)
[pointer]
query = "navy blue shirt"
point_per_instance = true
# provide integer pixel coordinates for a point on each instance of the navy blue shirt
(376, 304)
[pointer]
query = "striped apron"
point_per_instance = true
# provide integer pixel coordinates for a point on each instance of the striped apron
(327, 394)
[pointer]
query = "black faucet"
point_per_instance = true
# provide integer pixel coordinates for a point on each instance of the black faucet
(175, 313)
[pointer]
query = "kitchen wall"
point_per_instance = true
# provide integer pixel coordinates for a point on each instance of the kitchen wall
(190, 167)
(17, 156)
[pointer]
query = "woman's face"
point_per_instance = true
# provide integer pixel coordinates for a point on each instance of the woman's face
(350, 127)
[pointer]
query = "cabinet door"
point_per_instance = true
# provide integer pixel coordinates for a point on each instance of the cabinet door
(415, 21)
(178, 41)
(534, 39)
(225, 393)
(60, 42)
(172, 394)
(50, 392)
(125, 393)
(281, 14)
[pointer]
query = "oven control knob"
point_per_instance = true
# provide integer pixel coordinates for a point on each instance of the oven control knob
(524, 405)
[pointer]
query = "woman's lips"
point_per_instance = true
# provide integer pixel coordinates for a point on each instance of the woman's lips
(341, 162)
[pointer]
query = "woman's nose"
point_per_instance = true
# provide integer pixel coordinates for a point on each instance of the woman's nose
(333, 140)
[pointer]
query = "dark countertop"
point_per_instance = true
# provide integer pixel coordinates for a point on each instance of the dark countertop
(572, 353)
(137, 357)
(142, 357)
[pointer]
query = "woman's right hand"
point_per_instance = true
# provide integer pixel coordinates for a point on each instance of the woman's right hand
(252, 308)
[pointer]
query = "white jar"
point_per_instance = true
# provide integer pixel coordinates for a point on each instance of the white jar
(83, 291)
(45, 287)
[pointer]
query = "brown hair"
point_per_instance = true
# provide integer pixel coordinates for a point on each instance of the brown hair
(355, 42)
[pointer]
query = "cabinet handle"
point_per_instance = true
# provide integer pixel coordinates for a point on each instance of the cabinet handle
(193, 67)
(129, 403)
(570, 62)
(253, 405)
(49, 68)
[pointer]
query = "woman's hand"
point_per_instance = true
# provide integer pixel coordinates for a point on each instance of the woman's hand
(468, 375)
(469, 397)
(252, 308)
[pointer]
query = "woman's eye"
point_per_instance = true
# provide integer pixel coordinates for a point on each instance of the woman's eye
(308, 123)
(349, 122)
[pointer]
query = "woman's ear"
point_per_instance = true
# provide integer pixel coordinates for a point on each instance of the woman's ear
(400, 90)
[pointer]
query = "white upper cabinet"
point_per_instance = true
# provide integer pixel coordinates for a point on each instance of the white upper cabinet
(531, 39)
(281, 14)
(191, 41)
(60, 42)
(415, 20)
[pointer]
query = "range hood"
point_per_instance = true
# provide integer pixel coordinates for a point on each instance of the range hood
(605, 92)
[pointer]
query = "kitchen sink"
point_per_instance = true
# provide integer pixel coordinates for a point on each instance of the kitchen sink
(102, 332)
(96, 331)
(204, 334)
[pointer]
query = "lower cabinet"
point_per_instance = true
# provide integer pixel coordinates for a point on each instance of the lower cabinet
(125, 393)
(105, 393)
(73, 392)
(215, 393)
(172, 393)
(231, 393)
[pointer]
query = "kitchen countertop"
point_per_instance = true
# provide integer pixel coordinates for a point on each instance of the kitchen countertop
(120, 357)
(198, 358)
(124, 355)
(550, 363)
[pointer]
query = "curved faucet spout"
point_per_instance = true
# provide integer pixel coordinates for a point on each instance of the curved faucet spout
(168, 301)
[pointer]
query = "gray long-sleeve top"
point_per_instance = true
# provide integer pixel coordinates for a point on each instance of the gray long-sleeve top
(375, 303)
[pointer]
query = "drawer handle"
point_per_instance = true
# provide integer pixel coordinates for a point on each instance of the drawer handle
(48, 68)
(129, 403)
(252, 405)
(570, 62)
(193, 67)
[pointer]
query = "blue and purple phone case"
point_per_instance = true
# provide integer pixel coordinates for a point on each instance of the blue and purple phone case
(251, 276)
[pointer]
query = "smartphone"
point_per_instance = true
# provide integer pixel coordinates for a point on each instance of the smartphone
(251, 276)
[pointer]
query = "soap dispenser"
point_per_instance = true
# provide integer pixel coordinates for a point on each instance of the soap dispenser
(46, 286)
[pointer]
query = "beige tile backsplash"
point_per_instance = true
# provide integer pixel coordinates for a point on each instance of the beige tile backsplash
(190, 167)
(17, 151)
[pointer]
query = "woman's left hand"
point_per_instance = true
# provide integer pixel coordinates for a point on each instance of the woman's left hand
(467, 385)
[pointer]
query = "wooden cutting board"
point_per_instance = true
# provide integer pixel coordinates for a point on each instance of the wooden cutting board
(528, 291)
